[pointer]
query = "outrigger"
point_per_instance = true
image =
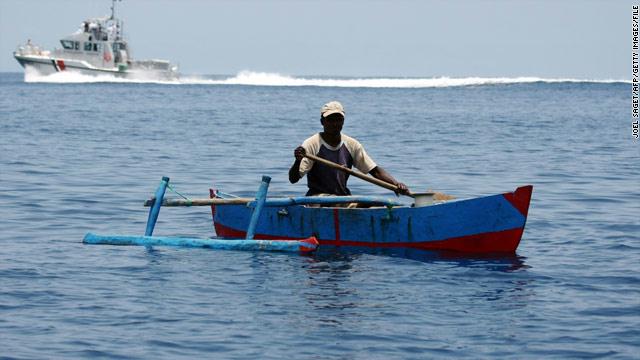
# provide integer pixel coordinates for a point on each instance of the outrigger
(247, 243)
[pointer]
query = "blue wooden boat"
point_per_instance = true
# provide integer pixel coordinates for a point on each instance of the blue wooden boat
(490, 224)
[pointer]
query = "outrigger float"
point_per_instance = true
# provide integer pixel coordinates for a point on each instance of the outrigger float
(483, 225)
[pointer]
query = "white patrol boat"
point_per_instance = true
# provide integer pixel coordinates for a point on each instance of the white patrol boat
(97, 47)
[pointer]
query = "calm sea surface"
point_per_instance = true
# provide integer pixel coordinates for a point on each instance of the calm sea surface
(83, 157)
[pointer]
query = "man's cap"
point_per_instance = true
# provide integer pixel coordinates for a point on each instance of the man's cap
(332, 107)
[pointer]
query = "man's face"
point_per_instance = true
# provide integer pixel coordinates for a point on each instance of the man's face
(333, 124)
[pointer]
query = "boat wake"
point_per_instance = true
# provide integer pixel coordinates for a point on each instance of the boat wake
(32, 75)
(273, 79)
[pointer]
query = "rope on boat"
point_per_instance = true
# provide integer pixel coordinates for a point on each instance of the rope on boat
(225, 195)
(182, 196)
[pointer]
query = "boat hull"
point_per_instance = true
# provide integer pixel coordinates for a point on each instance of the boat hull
(47, 65)
(480, 225)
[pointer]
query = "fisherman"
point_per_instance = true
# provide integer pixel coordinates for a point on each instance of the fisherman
(332, 145)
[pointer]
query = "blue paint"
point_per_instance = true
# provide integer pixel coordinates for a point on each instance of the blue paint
(328, 200)
(433, 223)
(261, 196)
(155, 209)
(381, 225)
(218, 244)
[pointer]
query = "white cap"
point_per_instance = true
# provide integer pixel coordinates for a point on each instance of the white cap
(332, 107)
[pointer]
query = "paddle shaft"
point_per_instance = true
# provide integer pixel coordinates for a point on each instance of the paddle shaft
(362, 176)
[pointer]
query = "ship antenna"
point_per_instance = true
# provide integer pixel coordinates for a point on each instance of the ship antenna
(113, 9)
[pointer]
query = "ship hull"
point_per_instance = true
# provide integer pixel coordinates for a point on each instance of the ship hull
(47, 65)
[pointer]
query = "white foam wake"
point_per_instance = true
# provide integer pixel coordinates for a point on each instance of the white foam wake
(271, 79)
(274, 79)
(32, 75)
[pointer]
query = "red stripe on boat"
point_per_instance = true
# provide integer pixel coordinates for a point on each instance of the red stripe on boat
(228, 232)
(212, 194)
(493, 242)
(520, 198)
(498, 241)
(60, 64)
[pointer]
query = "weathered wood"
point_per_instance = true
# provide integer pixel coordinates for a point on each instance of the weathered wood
(303, 200)
(261, 196)
(302, 245)
(200, 202)
(155, 208)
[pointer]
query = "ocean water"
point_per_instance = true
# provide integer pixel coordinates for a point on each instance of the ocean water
(79, 154)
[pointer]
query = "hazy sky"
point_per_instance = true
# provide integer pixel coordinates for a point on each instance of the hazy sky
(551, 39)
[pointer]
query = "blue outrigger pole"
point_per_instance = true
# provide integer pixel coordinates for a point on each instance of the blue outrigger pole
(261, 196)
(155, 209)
(249, 243)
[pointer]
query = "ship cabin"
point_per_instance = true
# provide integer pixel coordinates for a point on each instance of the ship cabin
(98, 41)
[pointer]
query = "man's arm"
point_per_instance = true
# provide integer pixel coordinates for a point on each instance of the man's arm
(294, 172)
(380, 173)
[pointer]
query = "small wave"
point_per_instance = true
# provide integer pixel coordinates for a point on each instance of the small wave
(274, 79)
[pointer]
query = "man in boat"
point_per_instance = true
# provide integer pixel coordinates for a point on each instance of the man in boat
(332, 145)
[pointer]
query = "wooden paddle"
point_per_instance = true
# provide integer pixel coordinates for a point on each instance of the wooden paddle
(360, 175)
(371, 179)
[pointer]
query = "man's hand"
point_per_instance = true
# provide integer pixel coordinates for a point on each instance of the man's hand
(299, 153)
(294, 172)
(402, 189)
(380, 173)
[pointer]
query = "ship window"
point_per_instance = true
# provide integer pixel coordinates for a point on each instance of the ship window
(119, 46)
(76, 45)
(87, 46)
(67, 44)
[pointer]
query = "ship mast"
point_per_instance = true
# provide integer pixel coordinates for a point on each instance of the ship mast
(113, 9)
(118, 23)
